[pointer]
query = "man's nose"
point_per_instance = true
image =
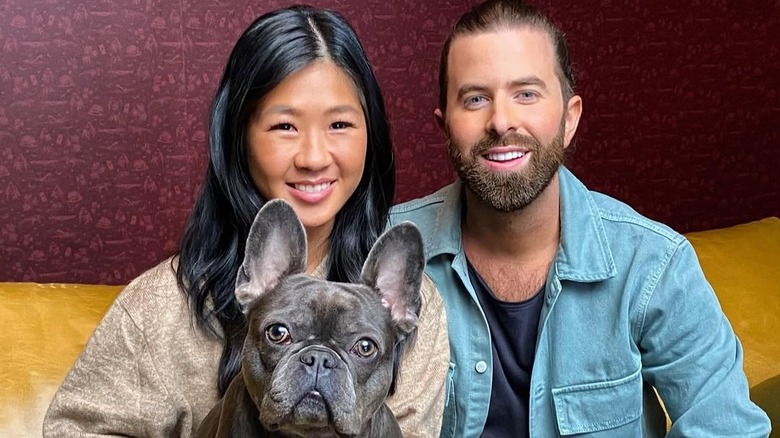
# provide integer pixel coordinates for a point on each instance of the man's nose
(503, 117)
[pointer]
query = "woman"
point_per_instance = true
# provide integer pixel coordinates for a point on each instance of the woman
(298, 115)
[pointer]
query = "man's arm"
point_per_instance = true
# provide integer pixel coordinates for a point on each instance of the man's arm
(692, 356)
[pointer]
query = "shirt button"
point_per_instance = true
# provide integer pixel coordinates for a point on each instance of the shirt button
(481, 366)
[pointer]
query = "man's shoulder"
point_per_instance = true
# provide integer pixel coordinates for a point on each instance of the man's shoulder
(586, 209)
(620, 217)
(421, 210)
(437, 216)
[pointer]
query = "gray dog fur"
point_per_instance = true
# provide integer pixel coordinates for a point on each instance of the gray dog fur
(303, 373)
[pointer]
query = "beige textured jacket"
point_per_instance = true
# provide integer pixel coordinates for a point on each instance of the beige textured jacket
(149, 371)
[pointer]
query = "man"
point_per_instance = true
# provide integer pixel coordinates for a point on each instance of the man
(565, 307)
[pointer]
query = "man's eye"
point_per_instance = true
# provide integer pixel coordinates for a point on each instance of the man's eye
(527, 96)
(475, 100)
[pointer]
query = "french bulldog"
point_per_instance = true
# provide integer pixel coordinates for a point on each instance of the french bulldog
(320, 357)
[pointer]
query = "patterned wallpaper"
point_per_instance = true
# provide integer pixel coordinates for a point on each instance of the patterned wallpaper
(103, 107)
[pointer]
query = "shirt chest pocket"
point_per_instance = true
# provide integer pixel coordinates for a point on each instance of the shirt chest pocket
(604, 409)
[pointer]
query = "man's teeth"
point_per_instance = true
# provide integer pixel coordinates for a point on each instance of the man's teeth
(308, 188)
(506, 156)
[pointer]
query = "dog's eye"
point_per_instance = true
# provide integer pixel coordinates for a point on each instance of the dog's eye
(365, 348)
(278, 334)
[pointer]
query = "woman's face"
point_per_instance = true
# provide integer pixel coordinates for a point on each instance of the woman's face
(307, 143)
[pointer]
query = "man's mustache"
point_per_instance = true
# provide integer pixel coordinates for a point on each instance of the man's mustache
(511, 139)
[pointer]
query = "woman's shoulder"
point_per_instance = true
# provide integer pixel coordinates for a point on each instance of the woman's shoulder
(432, 313)
(160, 309)
(155, 300)
(156, 285)
(431, 299)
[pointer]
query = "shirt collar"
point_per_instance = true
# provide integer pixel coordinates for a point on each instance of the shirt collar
(445, 235)
(583, 252)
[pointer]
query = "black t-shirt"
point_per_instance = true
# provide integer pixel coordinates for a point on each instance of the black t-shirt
(513, 331)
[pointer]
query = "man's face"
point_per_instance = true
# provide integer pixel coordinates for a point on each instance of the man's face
(505, 121)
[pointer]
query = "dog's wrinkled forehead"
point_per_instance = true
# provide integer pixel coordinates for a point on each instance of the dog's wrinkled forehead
(331, 308)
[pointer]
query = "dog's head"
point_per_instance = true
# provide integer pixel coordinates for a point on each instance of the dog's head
(320, 356)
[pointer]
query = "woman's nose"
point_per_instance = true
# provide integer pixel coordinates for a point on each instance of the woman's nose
(314, 153)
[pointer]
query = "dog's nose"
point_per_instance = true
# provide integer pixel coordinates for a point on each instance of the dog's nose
(319, 359)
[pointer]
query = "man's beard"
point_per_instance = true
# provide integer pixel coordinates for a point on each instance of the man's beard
(512, 190)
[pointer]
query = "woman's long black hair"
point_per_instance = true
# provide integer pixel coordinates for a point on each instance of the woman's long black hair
(274, 46)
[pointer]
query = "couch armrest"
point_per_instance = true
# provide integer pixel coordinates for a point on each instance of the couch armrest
(743, 265)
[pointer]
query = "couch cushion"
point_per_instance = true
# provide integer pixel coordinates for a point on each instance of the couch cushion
(743, 265)
(45, 327)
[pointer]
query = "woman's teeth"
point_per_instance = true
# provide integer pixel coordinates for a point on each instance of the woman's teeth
(309, 188)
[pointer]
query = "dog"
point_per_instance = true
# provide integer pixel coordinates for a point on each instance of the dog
(320, 357)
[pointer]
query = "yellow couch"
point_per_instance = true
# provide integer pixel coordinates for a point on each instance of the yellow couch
(743, 265)
(44, 326)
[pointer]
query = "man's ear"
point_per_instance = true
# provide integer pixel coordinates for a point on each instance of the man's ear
(440, 122)
(572, 118)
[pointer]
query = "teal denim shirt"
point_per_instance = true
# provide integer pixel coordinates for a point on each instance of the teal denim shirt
(627, 309)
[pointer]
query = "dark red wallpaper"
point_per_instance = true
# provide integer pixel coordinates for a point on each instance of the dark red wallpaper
(103, 106)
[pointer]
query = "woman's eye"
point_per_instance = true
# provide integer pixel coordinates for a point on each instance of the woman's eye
(365, 348)
(278, 334)
(283, 127)
(341, 125)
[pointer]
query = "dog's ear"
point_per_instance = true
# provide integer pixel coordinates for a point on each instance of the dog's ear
(394, 268)
(275, 248)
